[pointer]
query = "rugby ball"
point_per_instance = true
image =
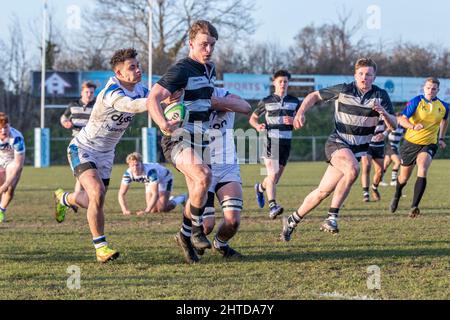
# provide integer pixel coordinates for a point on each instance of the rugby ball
(175, 111)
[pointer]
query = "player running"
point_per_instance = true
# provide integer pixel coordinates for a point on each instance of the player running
(279, 110)
(158, 181)
(12, 159)
(358, 108)
(425, 119)
(392, 154)
(91, 152)
(185, 147)
(375, 156)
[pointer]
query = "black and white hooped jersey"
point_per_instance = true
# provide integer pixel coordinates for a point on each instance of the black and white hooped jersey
(396, 136)
(275, 108)
(152, 173)
(14, 144)
(79, 114)
(113, 112)
(221, 134)
(197, 80)
(380, 128)
(355, 121)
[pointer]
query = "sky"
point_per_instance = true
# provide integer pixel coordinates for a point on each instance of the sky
(278, 21)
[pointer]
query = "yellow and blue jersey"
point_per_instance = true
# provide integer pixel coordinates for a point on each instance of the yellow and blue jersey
(429, 114)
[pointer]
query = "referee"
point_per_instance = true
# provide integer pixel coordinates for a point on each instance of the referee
(425, 119)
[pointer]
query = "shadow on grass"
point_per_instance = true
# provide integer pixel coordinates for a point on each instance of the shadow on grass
(299, 256)
(289, 254)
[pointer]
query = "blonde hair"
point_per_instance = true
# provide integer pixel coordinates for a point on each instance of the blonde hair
(136, 156)
(365, 62)
(203, 26)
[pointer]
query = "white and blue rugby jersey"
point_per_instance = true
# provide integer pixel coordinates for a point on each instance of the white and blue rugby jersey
(221, 134)
(14, 144)
(113, 112)
(153, 173)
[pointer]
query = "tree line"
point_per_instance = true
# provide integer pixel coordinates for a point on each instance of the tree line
(329, 48)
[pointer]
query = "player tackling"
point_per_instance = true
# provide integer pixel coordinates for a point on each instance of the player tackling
(91, 152)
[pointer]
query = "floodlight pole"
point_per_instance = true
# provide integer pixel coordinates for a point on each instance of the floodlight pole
(43, 62)
(150, 52)
(149, 134)
(42, 134)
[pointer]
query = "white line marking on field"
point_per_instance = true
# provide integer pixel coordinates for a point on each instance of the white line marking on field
(338, 295)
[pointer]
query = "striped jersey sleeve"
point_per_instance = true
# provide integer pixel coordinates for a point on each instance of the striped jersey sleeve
(260, 109)
(174, 79)
(331, 93)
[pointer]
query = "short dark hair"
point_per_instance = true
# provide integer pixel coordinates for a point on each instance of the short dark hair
(121, 55)
(281, 73)
(88, 84)
(203, 26)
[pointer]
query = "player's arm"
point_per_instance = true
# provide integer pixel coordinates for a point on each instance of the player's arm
(65, 119)
(254, 118)
(443, 126)
(151, 196)
(121, 197)
(325, 94)
(157, 95)
(126, 104)
(16, 168)
(310, 100)
(386, 111)
(407, 113)
(231, 103)
(407, 124)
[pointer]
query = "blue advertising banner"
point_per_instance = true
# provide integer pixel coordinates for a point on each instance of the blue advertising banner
(400, 89)
(100, 78)
(247, 86)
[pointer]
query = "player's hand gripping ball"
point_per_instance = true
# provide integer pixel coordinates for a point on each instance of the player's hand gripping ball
(175, 112)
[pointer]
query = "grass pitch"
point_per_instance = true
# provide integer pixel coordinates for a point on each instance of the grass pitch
(413, 255)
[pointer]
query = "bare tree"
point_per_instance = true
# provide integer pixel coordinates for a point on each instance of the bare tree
(328, 48)
(122, 23)
(15, 95)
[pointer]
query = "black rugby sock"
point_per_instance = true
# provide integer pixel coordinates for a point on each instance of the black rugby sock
(419, 190)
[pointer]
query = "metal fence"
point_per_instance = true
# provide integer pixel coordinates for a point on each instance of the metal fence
(309, 148)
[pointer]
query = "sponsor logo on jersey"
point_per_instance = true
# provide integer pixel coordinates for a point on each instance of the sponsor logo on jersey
(121, 119)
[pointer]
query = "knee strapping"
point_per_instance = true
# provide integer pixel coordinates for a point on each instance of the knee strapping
(235, 204)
